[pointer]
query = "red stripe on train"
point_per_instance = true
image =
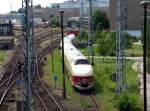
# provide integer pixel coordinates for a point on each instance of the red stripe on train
(79, 79)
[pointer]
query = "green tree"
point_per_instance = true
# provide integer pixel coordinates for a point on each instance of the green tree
(20, 10)
(97, 33)
(100, 18)
(128, 102)
(55, 23)
(38, 6)
(128, 39)
(104, 44)
(13, 12)
(107, 43)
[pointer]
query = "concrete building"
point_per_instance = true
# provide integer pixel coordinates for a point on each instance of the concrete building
(133, 17)
(97, 4)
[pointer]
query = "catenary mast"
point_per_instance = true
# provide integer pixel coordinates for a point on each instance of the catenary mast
(28, 52)
(120, 47)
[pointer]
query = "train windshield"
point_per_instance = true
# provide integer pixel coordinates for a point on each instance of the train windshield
(82, 61)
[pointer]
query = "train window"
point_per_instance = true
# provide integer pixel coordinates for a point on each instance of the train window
(82, 61)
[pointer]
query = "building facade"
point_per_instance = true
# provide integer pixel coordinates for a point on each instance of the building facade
(44, 13)
(133, 16)
(69, 4)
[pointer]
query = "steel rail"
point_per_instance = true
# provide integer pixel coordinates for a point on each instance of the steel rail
(3, 83)
(50, 94)
(8, 80)
(41, 99)
(47, 49)
(8, 65)
(95, 102)
(82, 101)
(7, 87)
(6, 90)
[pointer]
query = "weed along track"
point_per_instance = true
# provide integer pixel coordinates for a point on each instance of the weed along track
(92, 105)
(47, 100)
(44, 95)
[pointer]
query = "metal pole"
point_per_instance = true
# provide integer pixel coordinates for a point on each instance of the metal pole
(120, 47)
(57, 26)
(91, 31)
(144, 59)
(51, 43)
(145, 4)
(63, 63)
(27, 46)
(81, 20)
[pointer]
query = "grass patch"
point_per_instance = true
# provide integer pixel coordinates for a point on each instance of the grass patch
(104, 87)
(2, 56)
(135, 51)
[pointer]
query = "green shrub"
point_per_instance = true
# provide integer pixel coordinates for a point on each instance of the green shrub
(128, 102)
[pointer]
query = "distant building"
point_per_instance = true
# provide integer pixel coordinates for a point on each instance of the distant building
(6, 36)
(134, 18)
(97, 4)
(15, 18)
(45, 12)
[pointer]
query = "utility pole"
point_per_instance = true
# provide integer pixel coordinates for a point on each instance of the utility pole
(63, 62)
(145, 4)
(90, 42)
(57, 25)
(120, 47)
(81, 20)
(27, 49)
(51, 16)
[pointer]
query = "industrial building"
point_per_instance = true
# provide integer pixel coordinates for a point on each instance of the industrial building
(71, 4)
(15, 18)
(134, 16)
(6, 36)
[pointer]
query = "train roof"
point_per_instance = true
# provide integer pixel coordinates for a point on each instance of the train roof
(72, 52)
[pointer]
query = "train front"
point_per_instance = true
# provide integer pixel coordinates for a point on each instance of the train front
(82, 77)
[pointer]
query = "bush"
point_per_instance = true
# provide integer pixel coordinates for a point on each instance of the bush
(128, 102)
(100, 18)
(128, 39)
(104, 44)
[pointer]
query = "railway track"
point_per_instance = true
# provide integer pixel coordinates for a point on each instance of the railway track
(9, 76)
(48, 48)
(93, 107)
(45, 96)
(9, 67)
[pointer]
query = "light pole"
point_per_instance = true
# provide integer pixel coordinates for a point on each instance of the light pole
(145, 4)
(63, 63)
(57, 25)
(81, 20)
(51, 16)
(91, 31)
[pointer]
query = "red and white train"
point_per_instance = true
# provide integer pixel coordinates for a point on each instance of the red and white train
(80, 70)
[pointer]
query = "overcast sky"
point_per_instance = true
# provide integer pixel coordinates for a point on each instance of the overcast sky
(6, 5)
